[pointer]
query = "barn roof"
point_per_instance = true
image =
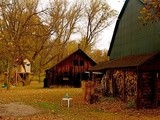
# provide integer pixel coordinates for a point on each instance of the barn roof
(131, 36)
(116, 26)
(99, 66)
(77, 50)
(127, 61)
(20, 60)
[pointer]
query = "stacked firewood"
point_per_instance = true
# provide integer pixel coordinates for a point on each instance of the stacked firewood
(126, 84)
(118, 76)
(106, 83)
(131, 85)
(91, 92)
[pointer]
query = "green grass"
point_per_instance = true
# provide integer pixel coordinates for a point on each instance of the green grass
(47, 105)
(49, 100)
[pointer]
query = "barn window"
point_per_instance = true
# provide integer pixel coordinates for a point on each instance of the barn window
(81, 62)
(27, 64)
(66, 76)
(75, 62)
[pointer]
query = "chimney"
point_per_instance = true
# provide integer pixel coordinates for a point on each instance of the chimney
(79, 45)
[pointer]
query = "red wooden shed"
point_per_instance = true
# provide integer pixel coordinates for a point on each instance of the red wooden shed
(69, 70)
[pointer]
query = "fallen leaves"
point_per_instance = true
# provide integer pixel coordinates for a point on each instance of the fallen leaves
(48, 101)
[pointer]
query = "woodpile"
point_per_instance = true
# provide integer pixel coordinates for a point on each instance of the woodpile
(91, 91)
(125, 85)
(131, 85)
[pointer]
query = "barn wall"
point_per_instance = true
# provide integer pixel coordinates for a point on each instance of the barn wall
(149, 89)
(149, 85)
(158, 90)
(146, 89)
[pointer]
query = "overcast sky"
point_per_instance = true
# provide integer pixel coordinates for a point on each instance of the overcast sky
(106, 36)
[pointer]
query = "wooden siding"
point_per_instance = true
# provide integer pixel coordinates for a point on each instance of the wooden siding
(147, 92)
(69, 71)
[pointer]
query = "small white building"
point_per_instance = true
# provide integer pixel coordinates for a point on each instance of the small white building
(20, 73)
(25, 67)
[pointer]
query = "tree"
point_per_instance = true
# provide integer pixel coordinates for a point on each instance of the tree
(18, 20)
(97, 16)
(61, 21)
(43, 35)
(98, 55)
(64, 18)
(150, 11)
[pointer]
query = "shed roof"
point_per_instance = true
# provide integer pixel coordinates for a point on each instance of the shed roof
(99, 66)
(77, 50)
(125, 62)
(20, 60)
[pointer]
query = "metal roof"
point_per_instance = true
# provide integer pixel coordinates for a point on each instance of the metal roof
(77, 50)
(117, 25)
(131, 36)
(126, 62)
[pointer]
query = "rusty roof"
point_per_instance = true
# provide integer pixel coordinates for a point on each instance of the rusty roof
(99, 66)
(77, 50)
(127, 61)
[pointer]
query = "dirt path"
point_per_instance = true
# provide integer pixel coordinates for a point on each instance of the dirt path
(17, 109)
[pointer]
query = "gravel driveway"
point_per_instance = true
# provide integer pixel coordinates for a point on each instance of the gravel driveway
(17, 109)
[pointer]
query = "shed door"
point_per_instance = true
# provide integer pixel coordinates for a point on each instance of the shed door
(147, 89)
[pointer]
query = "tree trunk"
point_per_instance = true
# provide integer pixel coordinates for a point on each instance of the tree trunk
(9, 75)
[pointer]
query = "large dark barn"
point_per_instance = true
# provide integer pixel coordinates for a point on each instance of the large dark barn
(135, 60)
(69, 71)
(133, 72)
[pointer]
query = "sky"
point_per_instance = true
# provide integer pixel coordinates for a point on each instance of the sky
(106, 36)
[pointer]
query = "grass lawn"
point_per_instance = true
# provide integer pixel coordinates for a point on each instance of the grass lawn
(49, 102)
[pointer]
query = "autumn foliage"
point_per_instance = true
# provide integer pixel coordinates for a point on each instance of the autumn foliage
(150, 11)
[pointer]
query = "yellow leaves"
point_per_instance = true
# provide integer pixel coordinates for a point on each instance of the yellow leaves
(106, 109)
(143, 10)
(150, 12)
(144, 1)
